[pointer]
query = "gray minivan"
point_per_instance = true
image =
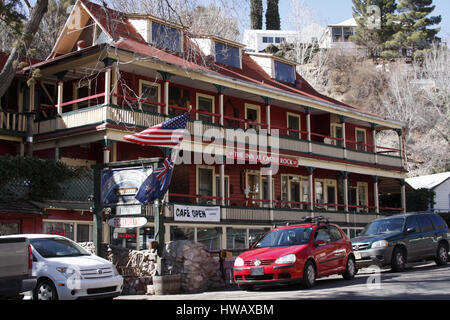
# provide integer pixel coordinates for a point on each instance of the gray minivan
(398, 239)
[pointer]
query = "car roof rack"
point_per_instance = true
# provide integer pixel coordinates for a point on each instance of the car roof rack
(318, 220)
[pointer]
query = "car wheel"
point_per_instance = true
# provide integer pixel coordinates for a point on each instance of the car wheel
(350, 269)
(442, 255)
(398, 260)
(45, 290)
(309, 275)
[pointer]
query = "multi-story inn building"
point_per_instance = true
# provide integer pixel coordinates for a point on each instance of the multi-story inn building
(111, 74)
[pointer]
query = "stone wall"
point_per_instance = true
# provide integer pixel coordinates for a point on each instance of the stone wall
(199, 270)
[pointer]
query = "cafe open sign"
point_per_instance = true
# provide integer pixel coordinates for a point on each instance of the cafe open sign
(127, 222)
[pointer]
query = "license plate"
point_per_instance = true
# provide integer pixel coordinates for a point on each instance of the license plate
(257, 271)
(357, 256)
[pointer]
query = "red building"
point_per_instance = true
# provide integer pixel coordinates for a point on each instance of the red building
(112, 74)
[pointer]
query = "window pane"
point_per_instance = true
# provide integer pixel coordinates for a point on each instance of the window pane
(205, 187)
(284, 72)
(336, 34)
(166, 37)
(293, 123)
(59, 228)
(331, 195)
(361, 140)
(227, 55)
(149, 93)
(209, 237)
(205, 104)
(334, 233)
(236, 238)
(177, 233)
(319, 192)
(7, 228)
(82, 232)
(425, 223)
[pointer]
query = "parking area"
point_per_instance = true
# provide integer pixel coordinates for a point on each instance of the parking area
(418, 281)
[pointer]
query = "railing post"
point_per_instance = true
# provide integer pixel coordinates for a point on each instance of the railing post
(30, 123)
(400, 145)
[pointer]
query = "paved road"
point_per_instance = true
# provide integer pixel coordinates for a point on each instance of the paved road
(419, 281)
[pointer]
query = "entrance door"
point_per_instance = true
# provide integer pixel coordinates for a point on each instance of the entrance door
(295, 193)
(352, 199)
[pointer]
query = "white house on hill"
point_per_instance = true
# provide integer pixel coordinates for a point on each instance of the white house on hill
(440, 184)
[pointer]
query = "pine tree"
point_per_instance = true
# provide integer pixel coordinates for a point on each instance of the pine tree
(372, 19)
(256, 14)
(272, 15)
(412, 25)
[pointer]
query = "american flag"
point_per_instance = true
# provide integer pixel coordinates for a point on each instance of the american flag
(166, 134)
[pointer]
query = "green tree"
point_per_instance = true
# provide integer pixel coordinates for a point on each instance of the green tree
(272, 15)
(412, 25)
(256, 14)
(373, 30)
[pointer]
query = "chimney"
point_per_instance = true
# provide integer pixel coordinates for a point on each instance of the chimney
(81, 45)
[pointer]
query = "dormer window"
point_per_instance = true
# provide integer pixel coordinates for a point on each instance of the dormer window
(284, 72)
(227, 54)
(166, 37)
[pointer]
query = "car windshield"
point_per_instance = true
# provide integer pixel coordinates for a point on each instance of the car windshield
(57, 247)
(285, 237)
(383, 226)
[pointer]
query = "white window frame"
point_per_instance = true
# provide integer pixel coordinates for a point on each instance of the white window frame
(253, 172)
(75, 226)
(217, 191)
(326, 183)
(288, 114)
(364, 147)
(197, 185)
(249, 106)
(77, 85)
(207, 96)
(333, 127)
(150, 83)
(365, 185)
(301, 180)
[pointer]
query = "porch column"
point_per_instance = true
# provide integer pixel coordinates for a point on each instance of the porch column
(345, 175)
(267, 102)
(106, 150)
(311, 189)
(374, 139)
(375, 194)
(166, 78)
(400, 144)
(308, 128)
(403, 194)
(60, 77)
(344, 136)
(108, 65)
(30, 123)
(220, 91)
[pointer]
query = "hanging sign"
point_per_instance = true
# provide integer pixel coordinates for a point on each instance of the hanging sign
(127, 222)
(196, 213)
(260, 157)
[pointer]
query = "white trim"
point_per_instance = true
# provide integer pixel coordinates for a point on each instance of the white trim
(299, 122)
(255, 107)
(150, 83)
(207, 96)
(364, 147)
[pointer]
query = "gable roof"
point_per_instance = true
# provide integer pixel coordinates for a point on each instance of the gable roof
(429, 181)
(123, 35)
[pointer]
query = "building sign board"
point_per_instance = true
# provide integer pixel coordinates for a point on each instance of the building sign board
(196, 213)
(127, 222)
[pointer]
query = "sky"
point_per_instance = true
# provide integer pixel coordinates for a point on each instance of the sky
(335, 11)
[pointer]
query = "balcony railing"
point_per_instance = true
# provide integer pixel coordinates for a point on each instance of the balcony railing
(12, 121)
(289, 139)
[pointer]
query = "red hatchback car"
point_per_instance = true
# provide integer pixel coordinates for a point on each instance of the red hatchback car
(296, 253)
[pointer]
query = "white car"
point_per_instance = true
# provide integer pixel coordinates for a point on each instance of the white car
(66, 271)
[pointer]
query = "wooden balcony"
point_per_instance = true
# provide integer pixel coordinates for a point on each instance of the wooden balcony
(131, 118)
(12, 121)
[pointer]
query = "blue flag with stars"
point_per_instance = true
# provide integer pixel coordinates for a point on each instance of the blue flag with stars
(157, 183)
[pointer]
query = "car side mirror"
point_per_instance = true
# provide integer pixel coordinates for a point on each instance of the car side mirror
(410, 230)
(320, 243)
